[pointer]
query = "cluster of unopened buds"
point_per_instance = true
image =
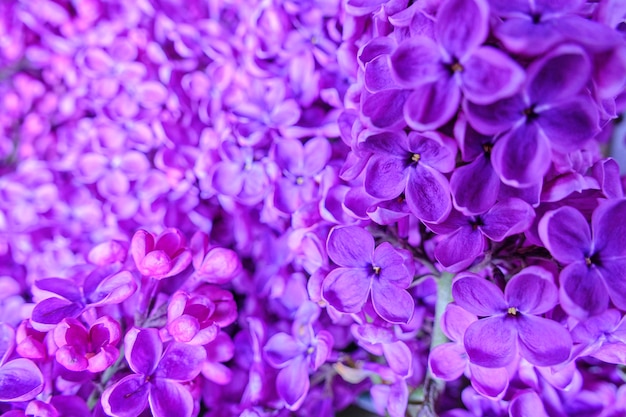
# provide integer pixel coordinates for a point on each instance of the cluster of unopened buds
(265, 208)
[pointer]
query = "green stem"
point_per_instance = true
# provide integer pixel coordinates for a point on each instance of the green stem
(444, 297)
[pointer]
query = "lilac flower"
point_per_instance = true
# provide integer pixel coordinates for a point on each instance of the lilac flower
(546, 115)
(212, 264)
(412, 165)
(384, 271)
(513, 324)
(158, 373)
(162, 256)
(81, 349)
(593, 257)
(465, 238)
(299, 164)
(297, 353)
(602, 337)
(457, 63)
(380, 341)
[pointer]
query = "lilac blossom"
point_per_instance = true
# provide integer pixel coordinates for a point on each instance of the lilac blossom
(384, 271)
(593, 256)
(513, 324)
(160, 256)
(158, 373)
(20, 379)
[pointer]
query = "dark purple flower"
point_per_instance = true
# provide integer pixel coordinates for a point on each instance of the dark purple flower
(513, 322)
(385, 272)
(457, 63)
(594, 258)
(412, 164)
(552, 112)
(158, 373)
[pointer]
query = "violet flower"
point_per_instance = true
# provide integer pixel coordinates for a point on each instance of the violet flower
(513, 324)
(20, 379)
(297, 353)
(160, 256)
(595, 264)
(158, 373)
(385, 272)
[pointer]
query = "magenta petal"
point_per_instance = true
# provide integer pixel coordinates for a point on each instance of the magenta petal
(392, 303)
(532, 291)
(180, 362)
(143, 350)
(448, 361)
(220, 265)
(347, 289)
(141, 243)
(280, 349)
(490, 75)
(462, 25)
(543, 342)
(522, 156)
(292, 383)
(167, 396)
(432, 105)
(507, 218)
(565, 233)
(428, 194)
(127, 398)
(350, 246)
(490, 382)
(491, 342)
(478, 296)
(583, 291)
(20, 380)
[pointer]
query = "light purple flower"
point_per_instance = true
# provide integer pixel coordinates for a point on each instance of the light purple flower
(160, 256)
(158, 373)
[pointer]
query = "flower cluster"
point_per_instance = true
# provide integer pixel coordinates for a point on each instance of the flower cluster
(284, 207)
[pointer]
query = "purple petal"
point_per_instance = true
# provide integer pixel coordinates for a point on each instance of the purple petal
(609, 229)
(112, 289)
(378, 74)
(20, 380)
(416, 61)
(127, 398)
(384, 109)
(491, 342)
(490, 75)
(141, 243)
(350, 246)
(180, 362)
(392, 303)
(392, 268)
(281, 349)
(497, 117)
(532, 291)
(317, 152)
(448, 361)
(227, 178)
(143, 350)
(583, 291)
(614, 273)
(522, 157)
(475, 186)
(167, 396)
(565, 233)
(543, 342)
(289, 155)
(220, 265)
(387, 143)
(478, 296)
(459, 249)
(7, 341)
(292, 383)
(560, 75)
(385, 177)
(63, 287)
(527, 404)
(428, 194)
(324, 348)
(507, 218)
(347, 289)
(490, 382)
(462, 25)
(52, 310)
(435, 150)
(399, 357)
(432, 105)
(455, 321)
(569, 125)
